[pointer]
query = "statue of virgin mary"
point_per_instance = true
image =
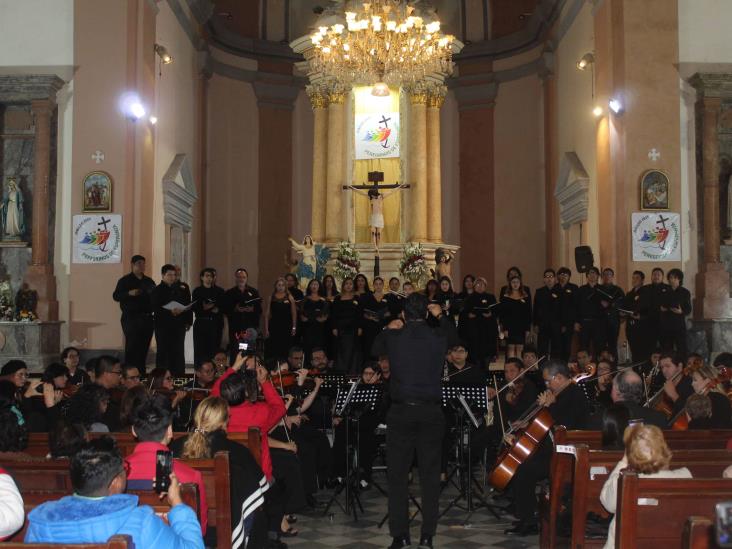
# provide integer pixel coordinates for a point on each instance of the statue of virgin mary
(11, 212)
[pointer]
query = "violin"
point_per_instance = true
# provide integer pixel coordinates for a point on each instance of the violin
(288, 380)
(194, 393)
(681, 422)
(661, 402)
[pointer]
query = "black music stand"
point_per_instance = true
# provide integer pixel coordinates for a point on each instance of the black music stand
(350, 404)
(466, 396)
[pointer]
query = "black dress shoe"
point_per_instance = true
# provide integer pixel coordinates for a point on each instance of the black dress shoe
(522, 529)
(425, 542)
(400, 542)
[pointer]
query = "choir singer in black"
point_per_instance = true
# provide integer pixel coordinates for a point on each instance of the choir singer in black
(133, 295)
(169, 300)
(415, 420)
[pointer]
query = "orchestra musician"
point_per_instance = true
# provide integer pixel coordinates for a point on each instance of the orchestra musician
(70, 359)
(676, 387)
(568, 406)
(706, 380)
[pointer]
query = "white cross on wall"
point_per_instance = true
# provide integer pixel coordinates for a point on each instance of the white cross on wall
(98, 156)
(654, 155)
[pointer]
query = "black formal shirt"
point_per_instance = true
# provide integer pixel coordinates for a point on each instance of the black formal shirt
(164, 294)
(568, 297)
(614, 300)
(206, 296)
(416, 354)
(547, 307)
(680, 297)
(638, 301)
(656, 297)
(588, 303)
(239, 322)
(470, 374)
(570, 408)
(137, 304)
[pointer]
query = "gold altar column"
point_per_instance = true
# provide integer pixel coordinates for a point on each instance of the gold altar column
(40, 272)
(434, 177)
(418, 165)
(319, 102)
(335, 169)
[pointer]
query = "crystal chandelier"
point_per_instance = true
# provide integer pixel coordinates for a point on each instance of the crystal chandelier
(382, 41)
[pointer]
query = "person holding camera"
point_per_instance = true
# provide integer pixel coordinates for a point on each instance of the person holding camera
(415, 419)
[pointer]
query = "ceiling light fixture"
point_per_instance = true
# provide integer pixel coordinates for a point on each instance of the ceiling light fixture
(162, 52)
(587, 60)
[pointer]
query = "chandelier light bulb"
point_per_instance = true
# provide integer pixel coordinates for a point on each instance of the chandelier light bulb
(380, 89)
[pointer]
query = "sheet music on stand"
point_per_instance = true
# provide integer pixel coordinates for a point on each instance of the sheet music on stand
(475, 395)
(358, 393)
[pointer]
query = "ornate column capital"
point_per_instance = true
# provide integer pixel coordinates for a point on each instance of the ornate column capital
(318, 96)
(436, 97)
(710, 85)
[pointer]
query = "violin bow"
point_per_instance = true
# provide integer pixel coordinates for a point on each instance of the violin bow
(526, 370)
(498, 401)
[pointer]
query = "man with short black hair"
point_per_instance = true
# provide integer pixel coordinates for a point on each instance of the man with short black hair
(547, 314)
(415, 418)
(675, 307)
(133, 293)
(108, 374)
(153, 428)
(568, 292)
(636, 307)
(611, 297)
(590, 324)
(99, 508)
(171, 321)
(130, 376)
(677, 385)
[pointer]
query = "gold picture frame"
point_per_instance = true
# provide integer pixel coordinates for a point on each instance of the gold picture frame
(96, 189)
(654, 190)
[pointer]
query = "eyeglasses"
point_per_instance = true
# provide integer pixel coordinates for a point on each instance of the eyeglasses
(168, 378)
(133, 378)
(116, 372)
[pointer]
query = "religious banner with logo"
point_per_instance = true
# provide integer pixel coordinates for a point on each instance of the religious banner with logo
(656, 236)
(97, 238)
(377, 135)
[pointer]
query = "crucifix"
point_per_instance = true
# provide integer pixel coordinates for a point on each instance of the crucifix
(376, 202)
(662, 221)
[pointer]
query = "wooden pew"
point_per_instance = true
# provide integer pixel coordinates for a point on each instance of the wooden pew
(699, 534)
(33, 498)
(599, 463)
(115, 542)
(561, 466)
(38, 442)
(658, 521)
(53, 475)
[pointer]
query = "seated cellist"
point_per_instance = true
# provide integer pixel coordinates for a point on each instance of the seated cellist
(568, 406)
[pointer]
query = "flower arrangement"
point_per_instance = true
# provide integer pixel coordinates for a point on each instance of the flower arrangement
(413, 266)
(347, 263)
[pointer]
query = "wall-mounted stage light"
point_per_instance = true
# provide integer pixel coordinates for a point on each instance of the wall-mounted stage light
(131, 106)
(153, 120)
(587, 60)
(615, 105)
(597, 111)
(162, 52)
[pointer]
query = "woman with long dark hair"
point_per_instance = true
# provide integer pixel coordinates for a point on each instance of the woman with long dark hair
(375, 309)
(467, 289)
(314, 312)
(515, 315)
(446, 297)
(347, 330)
(361, 285)
(481, 327)
(511, 273)
(280, 322)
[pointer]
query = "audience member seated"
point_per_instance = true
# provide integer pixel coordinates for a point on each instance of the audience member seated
(13, 434)
(153, 429)
(88, 407)
(65, 439)
(12, 512)
(44, 405)
(70, 359)
(699, 412)
(646, 452)
(247, 483)
(108, 374)
(614, 422)
(99, 509)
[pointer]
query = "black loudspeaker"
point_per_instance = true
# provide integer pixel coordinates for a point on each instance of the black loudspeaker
(583, 258)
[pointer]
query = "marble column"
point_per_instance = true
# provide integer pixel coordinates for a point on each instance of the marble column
(712, 282)
(40, 275)
(434, 177)
(335, 172)
(418, 166)
(319, 102)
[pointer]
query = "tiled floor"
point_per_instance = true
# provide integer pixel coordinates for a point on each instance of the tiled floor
(338, 530)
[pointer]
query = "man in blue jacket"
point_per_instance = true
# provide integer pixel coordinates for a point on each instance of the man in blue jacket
(99, 508)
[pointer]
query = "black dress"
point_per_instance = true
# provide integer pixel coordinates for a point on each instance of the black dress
(280, 328)
(459, 309)
(515, 315)
(374, 317)
(313, 324)
(346, 317)
(481, 329)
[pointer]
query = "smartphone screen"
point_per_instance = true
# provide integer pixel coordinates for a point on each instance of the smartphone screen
(163, 468)
(724, 524)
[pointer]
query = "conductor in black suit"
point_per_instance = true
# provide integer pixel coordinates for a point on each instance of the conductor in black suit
(415, 420)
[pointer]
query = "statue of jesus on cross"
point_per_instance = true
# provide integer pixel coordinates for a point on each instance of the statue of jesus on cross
(376, 202)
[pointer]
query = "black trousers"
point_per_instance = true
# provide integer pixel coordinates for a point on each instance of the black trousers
(549, 341)
(207, 332)
(348, 354)
(313, 450)
(674, 339)
(592, 335)
(640, 339)
(170, 337)
(612, 329)
(287, 473)
(138, 330)
(523, 484)
(414, 428)
(566, 341)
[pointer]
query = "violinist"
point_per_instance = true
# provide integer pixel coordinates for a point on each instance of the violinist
(568, 406)
(627, 390)
(603, 383)
(70, 359)
(676, 388)
(108, 375)
(706, 380)
(460, 371)
(130, 376)
(160, 381)
(42, 406)
(519, 395)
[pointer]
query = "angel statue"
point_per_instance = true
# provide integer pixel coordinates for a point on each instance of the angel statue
(443, 258)
(314, 258)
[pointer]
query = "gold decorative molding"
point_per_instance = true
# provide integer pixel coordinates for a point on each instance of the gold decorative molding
(418, 97)
(437, 97)
(318, 97)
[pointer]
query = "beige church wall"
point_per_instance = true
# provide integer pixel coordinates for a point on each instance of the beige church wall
(175, 105)
(704, 35)
(576, 130)
(101, 76)
(232, 179)
(302, 166)
(519, 188)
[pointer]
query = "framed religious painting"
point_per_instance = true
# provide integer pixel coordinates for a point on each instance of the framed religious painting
(654, 187)
(97, 188)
